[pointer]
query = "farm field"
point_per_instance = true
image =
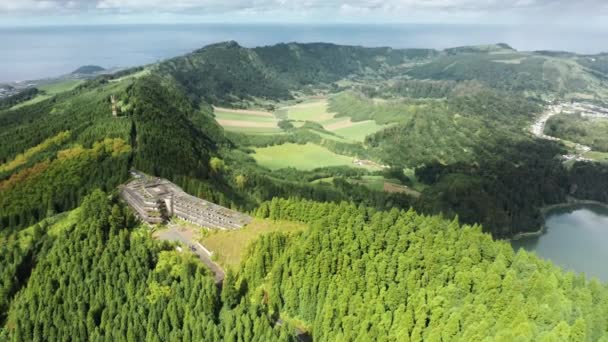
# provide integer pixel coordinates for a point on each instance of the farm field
(302, 157)
(317, 111)
(331, 137)
(314, 110)
(246, 121)
(230, 246)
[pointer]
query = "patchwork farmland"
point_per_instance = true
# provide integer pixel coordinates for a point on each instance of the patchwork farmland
(317, 111)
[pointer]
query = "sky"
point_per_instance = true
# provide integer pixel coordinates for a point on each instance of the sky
(589, 13)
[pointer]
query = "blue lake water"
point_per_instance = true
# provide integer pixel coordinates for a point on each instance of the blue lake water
(576, 239)
(38, 52)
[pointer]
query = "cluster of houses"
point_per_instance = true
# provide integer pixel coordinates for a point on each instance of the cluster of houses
(6, 91)
(155, 200)
(584, 109)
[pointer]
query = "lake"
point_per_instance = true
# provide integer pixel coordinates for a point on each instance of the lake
(576, 239)
(28, 53)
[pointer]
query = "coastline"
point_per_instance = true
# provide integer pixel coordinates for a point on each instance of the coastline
(570, 201)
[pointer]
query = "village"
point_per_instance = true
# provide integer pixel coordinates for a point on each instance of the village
(574, 108)
(7, 90)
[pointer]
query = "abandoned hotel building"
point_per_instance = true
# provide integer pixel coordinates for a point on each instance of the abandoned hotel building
(156, 199)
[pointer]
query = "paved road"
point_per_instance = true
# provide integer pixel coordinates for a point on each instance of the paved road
(186, 237)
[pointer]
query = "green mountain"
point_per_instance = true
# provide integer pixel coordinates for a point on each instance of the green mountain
(541, 74)
(225, 73)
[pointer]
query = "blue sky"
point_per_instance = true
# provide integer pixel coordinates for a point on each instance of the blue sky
(511, 12)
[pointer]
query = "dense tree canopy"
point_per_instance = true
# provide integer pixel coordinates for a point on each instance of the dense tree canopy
(358, 274)
(75, 264)
(102, 280)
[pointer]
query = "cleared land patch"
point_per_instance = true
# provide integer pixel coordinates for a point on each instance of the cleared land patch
(302, 157)
(230, 246)
(247, 121)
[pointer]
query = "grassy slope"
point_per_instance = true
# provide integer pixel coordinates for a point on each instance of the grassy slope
(50, 90)
(229, 247)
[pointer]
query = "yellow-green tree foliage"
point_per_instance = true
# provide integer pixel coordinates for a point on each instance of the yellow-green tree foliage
(362, 275)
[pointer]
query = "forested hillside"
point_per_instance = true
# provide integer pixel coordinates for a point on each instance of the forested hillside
(168, 143)
(59, 184)
(424, 139)
(225, 73)
(103, 279)
(503, 191)
(547, 76)
(363, 275)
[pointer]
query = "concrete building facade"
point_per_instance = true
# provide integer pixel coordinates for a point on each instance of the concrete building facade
(155, 200)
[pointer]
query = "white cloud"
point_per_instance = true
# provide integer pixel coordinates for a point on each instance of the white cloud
(326, 8)
(28, 5)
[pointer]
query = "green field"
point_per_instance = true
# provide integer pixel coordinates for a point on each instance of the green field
(315, 110)
(230, 246)
(302, 157)
(60, 87)
(244, 122)
(242, 117)
(597, 156)
(359, 130)
(50, 90)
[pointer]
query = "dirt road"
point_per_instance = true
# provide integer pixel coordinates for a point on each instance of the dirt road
(187, 238)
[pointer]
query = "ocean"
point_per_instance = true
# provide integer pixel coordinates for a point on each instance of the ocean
(28, 53)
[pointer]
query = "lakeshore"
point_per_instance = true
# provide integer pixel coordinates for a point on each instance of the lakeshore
(546, 210)
(574, 238)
